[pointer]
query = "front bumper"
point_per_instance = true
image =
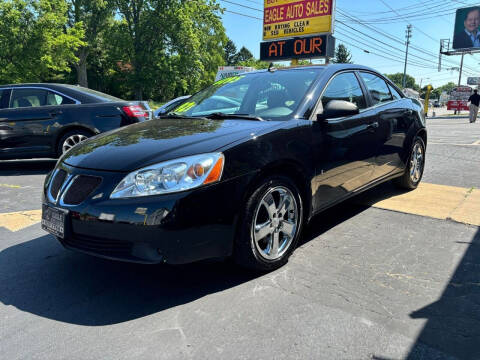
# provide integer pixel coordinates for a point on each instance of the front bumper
(175, 228)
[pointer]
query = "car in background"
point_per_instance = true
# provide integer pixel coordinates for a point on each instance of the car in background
(47, 120)
(169, 106)
(238, 169)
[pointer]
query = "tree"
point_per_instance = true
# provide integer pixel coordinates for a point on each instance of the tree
(93, 15)
(171, 45)
(397, 79)
(230, 51)
(243, 55)
(342, 55)
(35, 46)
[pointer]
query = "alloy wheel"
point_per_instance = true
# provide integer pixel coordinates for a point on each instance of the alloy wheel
(72, 141)
(275, 224)
(416, 163)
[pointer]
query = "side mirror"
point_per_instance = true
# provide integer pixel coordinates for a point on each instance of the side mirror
(338, 108)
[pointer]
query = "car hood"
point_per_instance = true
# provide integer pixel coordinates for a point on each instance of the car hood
(147, 143)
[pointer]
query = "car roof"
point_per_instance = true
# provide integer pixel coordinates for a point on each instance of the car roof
(79, 93)
(328, 67)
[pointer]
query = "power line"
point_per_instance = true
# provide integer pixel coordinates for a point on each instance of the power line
(241, 5)
(237, 13)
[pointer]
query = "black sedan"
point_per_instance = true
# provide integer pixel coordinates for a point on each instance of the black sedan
(240, 177)
(46, 120)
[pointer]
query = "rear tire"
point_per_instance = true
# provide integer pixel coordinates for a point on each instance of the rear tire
(416, 164)
(71, 139)
(270, 225)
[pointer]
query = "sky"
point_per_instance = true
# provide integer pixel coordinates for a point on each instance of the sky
(377, 26)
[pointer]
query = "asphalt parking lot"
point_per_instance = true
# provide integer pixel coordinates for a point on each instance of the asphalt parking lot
(387, 275)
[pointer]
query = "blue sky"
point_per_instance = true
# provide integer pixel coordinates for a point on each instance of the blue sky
(431, 20)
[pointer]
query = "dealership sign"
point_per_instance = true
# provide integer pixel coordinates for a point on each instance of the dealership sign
(289, 18)
(298, 48)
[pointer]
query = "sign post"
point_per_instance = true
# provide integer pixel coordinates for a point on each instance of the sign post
(297, 29)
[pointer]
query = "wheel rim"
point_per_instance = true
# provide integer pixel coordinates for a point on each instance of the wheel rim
(275, 223)
(416, 163)
(72, 141)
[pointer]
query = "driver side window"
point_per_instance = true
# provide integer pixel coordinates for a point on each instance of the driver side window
(345, 87)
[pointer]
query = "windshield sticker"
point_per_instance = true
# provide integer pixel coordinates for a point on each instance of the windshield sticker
(228, 80)
(185, 107)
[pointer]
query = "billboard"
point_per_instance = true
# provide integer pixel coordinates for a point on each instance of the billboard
(467, 28)
(290, 18)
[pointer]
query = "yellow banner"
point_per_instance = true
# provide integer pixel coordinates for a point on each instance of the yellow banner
(287, 29)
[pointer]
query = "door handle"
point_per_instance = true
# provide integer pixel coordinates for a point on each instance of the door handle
(55, 113)
(373, 126)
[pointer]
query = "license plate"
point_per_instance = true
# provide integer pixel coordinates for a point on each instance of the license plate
(53, 220)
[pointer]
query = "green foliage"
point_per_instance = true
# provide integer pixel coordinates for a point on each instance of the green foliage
(35, 46)
(230, 51)
(173, 46)
(397, 79)
(153, 49)
(243, 55)
(94, 15)
(342, 55)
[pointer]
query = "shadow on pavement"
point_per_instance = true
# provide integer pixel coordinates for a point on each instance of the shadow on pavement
(26, 167)
(42, 278)
(453, 322)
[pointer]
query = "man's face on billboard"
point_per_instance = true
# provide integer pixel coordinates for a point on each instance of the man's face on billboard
(472, 22)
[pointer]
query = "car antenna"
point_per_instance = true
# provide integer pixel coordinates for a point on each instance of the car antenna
(272, 68)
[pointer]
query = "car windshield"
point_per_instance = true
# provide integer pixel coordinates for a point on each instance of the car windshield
(266, 95)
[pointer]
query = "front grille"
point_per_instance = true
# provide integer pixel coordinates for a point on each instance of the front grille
(99, 245)
(81, 187)
(57, 183)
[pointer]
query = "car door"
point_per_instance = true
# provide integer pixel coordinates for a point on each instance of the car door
(345, 157)
(394, 117)
(32, 111)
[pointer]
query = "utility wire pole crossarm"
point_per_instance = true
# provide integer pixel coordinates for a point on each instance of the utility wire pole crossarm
(408, 35)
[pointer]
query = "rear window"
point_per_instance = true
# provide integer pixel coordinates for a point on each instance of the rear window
(99, 95)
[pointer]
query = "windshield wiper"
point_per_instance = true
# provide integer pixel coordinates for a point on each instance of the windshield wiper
(220, 115)
(173, 115)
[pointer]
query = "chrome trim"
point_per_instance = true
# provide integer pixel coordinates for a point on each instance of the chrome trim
(62, 188)
(65, 191)
(41, 88)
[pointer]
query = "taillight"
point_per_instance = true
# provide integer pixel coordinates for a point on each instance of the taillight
(135, 111)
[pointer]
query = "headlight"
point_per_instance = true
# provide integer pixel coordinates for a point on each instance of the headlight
(171, 176)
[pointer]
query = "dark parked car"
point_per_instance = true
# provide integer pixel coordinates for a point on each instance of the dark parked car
(222, 181)
(169, 106)
(46, 120)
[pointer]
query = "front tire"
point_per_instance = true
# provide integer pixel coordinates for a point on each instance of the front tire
(415, 166)
(270, 226)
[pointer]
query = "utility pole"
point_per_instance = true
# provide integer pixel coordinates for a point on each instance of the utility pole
(408, 35)
(461, 70)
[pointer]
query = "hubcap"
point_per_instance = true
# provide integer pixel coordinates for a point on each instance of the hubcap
(275, 223)
(71, 141)
(416, 163)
